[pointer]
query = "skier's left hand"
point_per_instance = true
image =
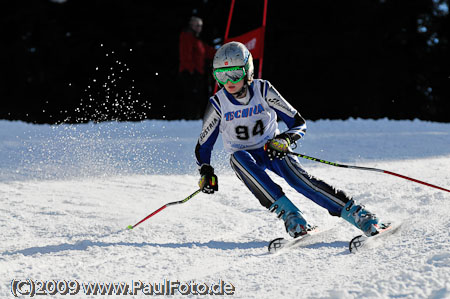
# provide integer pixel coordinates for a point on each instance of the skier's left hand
(278, 147)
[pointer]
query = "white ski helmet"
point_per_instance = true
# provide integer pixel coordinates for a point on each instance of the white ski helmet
(234, 54)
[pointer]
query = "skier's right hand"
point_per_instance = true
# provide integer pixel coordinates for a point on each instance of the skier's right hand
(208, 181)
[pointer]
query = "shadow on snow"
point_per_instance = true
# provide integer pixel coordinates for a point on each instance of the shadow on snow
(84, 245)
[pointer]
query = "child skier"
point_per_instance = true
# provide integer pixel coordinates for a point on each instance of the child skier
(245, 111)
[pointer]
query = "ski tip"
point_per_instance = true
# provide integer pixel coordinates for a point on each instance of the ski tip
(356, 243)
(130, 227)
(276, 244)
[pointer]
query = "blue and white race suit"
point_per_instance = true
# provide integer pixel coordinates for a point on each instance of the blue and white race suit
(245, 129)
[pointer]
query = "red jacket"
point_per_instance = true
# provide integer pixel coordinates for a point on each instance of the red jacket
(193, 53)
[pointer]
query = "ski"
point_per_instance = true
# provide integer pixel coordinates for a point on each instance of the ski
(360, 242)
(278, 245)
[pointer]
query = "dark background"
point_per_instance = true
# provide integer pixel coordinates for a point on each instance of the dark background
(97, 60)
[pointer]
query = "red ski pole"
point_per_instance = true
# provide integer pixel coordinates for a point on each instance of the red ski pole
(163, 207)
(369, 169)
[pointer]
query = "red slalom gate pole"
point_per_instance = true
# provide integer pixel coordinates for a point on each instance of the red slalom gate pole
(263, 40)
(230, 15)
(227, 31)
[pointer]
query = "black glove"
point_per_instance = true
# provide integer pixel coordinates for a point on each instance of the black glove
(278, 147)
(208, 182)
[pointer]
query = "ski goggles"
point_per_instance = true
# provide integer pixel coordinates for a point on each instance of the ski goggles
(233, 74)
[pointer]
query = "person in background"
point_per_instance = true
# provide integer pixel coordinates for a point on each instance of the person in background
(194, 53)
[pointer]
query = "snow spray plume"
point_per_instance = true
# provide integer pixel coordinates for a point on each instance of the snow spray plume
(367, 168)
(110, 94)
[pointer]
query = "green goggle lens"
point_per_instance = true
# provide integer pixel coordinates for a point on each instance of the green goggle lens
(232, 74)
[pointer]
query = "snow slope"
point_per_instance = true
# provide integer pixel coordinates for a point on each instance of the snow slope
(68, 192)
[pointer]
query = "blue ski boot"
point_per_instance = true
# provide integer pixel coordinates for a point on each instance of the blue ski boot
(294, 222)
(361, 218)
